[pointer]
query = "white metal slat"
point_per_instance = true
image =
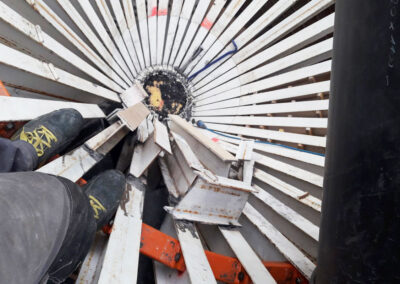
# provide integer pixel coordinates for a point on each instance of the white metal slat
(15, 109)
(274, 81)
(274, 149)
(102, 32)
(289, 190)
(91, 266)
(247, 257)
(172, 27)
(256, 27)
(122, 256)
(36, 34)
(193, 26)
(227, 36)
(287, 248)
(313, 51)
(126, 34)
(205, 27)
(276, 32)
(131, 22)
(270, 134)
(296, 41)
(76, 163)
(152, 16)
(143, 29)
(263, 97)
(162, 19)
(195, 258)
(116, 35)
(287, 213)
(184, 18)
(216, 31)
(70, 35)
(268, 108)
(45, 70)
(312, 122)
(285, 168)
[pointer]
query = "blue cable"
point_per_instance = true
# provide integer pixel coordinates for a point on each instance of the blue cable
(201, 124)
(215, 61)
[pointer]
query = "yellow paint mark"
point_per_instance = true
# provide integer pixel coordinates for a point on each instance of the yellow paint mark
(40, 138)
(176, 107)
(156, 100)
(97, 206)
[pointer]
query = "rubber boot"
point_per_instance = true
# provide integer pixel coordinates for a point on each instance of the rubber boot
(51, 133)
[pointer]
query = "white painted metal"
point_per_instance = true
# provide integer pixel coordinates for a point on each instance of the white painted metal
(161, 136)
(297, 40)
(144, 33)
(48, 71)
(193, 25)
(143, 156)
(22, 109)
(35, 33)
(205, 27)
(132, 26)
(102, 32)
(216, 31)
(268, 108)
(126, 34)
(116, 35)
(172, 27)
(323, 48)
(196, 262)
(271, 82)
(162, 18)
(77, 162)
(91, 266)
(122, 256)
(186, 13)
(288, 249)
(256, 27)
(274, 149)
(253, 265)
(69, 34)
(228, 34)
(152, 15)
(271, 96)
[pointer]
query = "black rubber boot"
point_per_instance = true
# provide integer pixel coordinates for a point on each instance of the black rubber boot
(46, 228)
(105, 192)
(49, 134)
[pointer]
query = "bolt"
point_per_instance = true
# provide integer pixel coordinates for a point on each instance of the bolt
(177, 257)
(10, 126)
(241, 276)
(298, 280)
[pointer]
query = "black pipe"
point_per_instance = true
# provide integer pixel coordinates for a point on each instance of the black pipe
(360, 227)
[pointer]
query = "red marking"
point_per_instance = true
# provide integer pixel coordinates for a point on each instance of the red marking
(207, 24)
(215, 139)
(163, 12)
(81, 182)
(153, 12)
(3, 90)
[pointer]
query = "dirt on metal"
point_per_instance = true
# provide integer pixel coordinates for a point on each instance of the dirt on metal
(167, 94)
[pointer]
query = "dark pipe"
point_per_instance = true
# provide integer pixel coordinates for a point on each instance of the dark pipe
(360, 229)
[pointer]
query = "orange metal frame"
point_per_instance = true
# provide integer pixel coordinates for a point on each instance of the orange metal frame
(7, 129)
(167, 250)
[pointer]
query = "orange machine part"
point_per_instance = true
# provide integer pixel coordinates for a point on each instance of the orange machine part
(7, 129)
(167, 250)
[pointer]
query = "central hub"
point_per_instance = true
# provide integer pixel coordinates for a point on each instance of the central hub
(168, 93)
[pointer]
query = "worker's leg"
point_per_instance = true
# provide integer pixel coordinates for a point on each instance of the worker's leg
(17, 156)
(47, 223)
(39, 140)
